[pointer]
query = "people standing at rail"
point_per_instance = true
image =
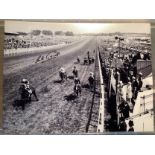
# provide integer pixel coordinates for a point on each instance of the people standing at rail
(126, 110)
(140, 81)
(131, 124)
(134, 88)
(91, 81)
(129, 95)
(120, 89)
(122, 125)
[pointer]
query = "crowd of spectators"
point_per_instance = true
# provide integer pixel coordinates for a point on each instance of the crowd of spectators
(15, 42)
(122, 64)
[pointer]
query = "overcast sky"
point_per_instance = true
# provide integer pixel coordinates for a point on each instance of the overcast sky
(18, 26)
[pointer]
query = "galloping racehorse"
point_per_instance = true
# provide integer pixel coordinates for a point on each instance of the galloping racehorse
(25, 95)
(77, 89)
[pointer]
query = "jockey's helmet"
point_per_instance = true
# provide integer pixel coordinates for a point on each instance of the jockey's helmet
(25, 81)
(91, 73)
(62, 69)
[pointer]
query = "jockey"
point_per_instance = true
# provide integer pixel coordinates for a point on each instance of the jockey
(140, 81)
(26, 84)
(91, 74)
(75, 72)
(62, 70)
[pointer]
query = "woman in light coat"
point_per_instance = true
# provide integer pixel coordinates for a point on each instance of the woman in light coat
(129, 94)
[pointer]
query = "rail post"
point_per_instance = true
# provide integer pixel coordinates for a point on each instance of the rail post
(100, 126)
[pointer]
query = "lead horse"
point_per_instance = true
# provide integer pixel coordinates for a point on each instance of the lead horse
(25, 97)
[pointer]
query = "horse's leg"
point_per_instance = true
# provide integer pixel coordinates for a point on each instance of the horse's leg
(23, 104)
(61, 77)
(80, 91)
(35, 95)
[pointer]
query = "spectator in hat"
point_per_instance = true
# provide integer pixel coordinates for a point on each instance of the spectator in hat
(131, 124)
(122, 125)
(140, 81)
(129, 93)
(134, 87)
(126, 110)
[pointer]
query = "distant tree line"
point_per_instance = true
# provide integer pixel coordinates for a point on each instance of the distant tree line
(50, 33)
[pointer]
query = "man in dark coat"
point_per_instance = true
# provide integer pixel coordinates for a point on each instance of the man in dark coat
(134, 87)
(140, 81)
(122, 125)
(131, 124)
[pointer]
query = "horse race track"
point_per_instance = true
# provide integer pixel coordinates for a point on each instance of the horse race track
(53, 113)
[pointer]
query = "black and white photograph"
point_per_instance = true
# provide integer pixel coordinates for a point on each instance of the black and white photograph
(77, 78)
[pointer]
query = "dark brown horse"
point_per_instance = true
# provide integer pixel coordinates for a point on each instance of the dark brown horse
(25, 97)
(77, 89)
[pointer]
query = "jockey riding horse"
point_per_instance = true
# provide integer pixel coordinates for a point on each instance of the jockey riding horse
(77, 89)
(77, 86)
(26, 92)
(62, 74)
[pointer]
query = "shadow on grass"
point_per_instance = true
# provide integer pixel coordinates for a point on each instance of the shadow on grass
(70, 77)
(57, 81)
(85, 86)
(70, 97)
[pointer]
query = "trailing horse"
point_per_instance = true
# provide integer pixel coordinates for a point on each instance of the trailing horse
(77, 89)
